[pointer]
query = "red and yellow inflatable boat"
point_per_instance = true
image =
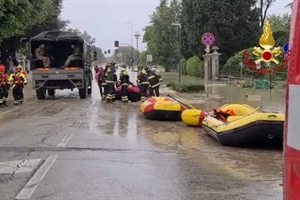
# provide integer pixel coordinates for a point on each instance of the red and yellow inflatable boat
(162, 108)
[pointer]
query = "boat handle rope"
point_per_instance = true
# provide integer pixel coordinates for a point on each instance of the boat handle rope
(239, 118)
(272, 116)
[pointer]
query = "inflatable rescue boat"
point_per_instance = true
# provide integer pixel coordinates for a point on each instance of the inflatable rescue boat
(134, 94)
(193, 117)
(244, 126)
(162, 108)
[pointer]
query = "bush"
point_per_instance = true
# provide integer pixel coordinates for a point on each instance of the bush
(232, 66)
(189, 88)
(195, 67)
(183, 66)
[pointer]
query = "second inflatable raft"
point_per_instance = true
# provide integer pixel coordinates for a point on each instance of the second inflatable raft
(248, 126)
(162, 108)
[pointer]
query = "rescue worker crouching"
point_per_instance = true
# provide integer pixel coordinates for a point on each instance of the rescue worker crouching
(154, 82)
(110, 81)
(124, 82)
(144, 84)
(4, 86)
(18, 80)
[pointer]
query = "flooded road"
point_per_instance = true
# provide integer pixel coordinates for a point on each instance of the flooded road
(67, 148)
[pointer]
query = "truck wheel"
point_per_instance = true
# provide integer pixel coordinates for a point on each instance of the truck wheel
(51, 92)
(82, 93)
(41, 93)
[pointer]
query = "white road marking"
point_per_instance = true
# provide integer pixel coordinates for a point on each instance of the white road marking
(68, 137)
(65, 140)
(18, 166)
(33, 183)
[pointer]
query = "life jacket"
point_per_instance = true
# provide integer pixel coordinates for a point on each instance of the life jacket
(4, 80)
(230, 111)
(17, 78)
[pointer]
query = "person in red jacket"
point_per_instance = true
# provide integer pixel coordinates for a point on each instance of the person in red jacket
(3, 87)
(99, 78)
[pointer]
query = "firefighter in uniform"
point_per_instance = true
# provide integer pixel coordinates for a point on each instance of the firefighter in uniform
(115, 80)
(3, 87)
(104, 84)
(110, 80)
(124, 82)
(18, 80)
(143, 83)
(41, 54)
(154, 82)
(140, 68)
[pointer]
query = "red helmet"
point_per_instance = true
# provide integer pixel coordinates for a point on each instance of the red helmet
(2, 68)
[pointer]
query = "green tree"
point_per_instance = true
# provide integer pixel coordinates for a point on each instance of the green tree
(280, 25)
(160, 36)
(264, 7)
(234, 23)
(125, 52)
(87, 37)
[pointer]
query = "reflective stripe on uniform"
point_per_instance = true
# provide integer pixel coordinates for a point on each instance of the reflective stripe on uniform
(157, 84)
(144, 83)
(109, 81)
(151, 77)
(293, 137)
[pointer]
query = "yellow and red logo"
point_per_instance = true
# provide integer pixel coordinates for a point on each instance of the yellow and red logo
(266, 53)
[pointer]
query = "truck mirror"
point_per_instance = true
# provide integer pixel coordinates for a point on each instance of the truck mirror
(23, 42)
(95, 55)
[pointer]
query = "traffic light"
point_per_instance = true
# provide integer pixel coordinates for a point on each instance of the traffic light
(108, 51)
(105, 52)
(116, 43)
(95, 55)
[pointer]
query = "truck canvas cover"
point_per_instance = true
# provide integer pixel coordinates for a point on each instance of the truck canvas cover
(56, 36)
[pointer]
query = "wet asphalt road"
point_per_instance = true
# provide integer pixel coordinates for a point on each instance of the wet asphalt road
(68, 149)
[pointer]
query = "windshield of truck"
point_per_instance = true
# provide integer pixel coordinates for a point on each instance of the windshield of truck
(61, 54)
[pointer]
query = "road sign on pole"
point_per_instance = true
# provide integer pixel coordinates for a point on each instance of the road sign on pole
(208, 39)
(149, 57)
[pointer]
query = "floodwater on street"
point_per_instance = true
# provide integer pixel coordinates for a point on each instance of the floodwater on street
(66, 148)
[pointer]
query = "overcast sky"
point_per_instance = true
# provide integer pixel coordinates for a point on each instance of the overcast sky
(106, 19)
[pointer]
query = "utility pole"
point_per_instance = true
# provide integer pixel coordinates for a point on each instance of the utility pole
(132, 49)
(179, 50)
(137, 36)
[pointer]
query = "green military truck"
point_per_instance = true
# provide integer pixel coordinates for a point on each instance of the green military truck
(54, 64)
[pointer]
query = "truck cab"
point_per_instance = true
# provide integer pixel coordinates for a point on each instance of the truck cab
(61, 60)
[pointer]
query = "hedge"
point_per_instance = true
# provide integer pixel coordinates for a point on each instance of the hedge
(232, 66)
(195, 67)
(189, 88)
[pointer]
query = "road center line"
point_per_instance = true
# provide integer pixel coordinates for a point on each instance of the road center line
(36, 179)
(65, 140)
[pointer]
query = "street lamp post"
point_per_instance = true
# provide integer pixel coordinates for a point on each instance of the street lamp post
(179, 50)
(137, 36)
(132, 49)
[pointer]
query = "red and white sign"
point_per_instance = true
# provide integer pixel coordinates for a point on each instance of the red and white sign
(291, 190)
(208, 39)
